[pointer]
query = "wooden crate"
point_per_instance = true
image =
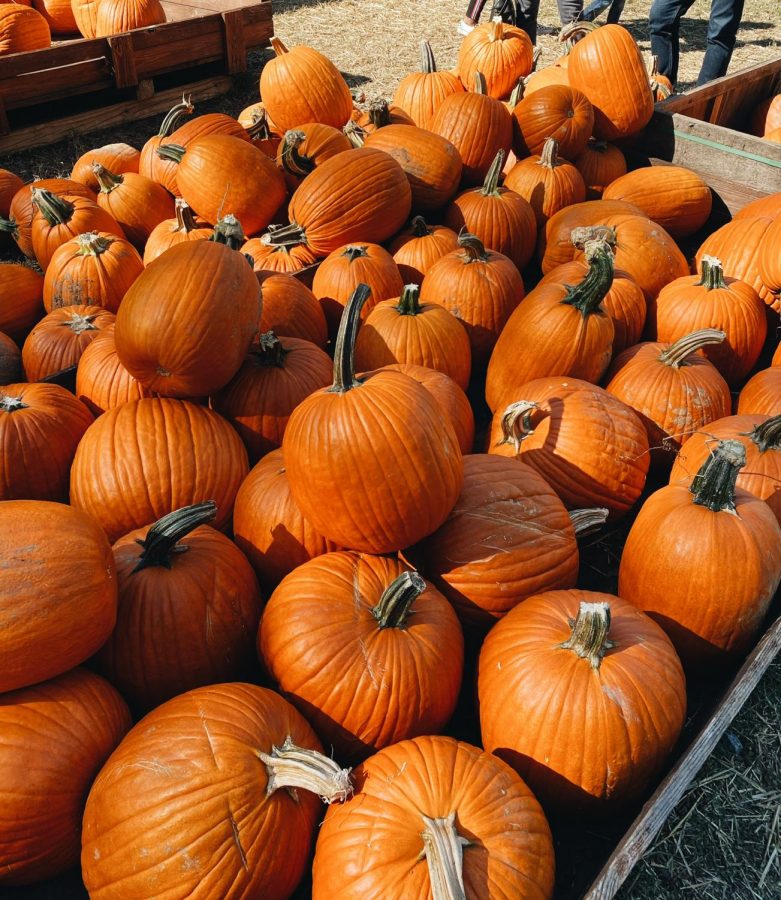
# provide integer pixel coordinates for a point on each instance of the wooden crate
(79, 85)
(701, 129)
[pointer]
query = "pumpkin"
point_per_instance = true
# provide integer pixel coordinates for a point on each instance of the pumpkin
(269, 259)
(589, 446)
(674, 197)
(559, 329)
(276, 375)
(268, 526)
(251, 115)
(431, 163)
(766, 116)
(554, 74)
(290, 309)
(102, 382)
(607, 66)
(661, 86)
(58, 590)
(163, 171)
(118, 16)
(403, 331)
(761, 394)
(135, 201)
(54, 738)
(357, 195)
(58, 219)
(769, 257)
(484, 579)
(178, 230)
(546, 182)
(478, 126)
(91, 269)
(345, 268)
(58, 340)
(451, 399)
(556, 111)
(419, 799)
(9, 185)
(420, 94)
(301, 85)
(196, 591)
(501, 52)
(371, 421)
(44, 423)
(673, 388)
(419, 246)
(302, 149)
(145, 458)
(478, 286)
(241, 773)
(22, 28)
(600, 164)
(713, 301)
(503, 220)
(767, 207)
(85, 14)
(776, 360)
(615, 699)
(10, 361)
(117, 158)
(761, 437)
(378, 114)
(370, 651)
(21, 300)
(185, 325)
(714, 604)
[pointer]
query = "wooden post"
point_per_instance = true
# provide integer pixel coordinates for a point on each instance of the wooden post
(122, 60)
(235, 47)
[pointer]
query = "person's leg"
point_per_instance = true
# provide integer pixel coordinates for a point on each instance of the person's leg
(614, 13)
(471, 16)
(528, 11)
(725, 16)
(569, 10)
(664, 20)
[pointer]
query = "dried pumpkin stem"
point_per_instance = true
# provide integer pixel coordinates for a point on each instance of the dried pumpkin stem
(575, 31)
(292, 161)
(393, 607)
(228, 231)
(278, 47)
(490, 186)
(711, 273)
(419, 228)
(677, 354)
(183, 108)
(268, 351)
(11, 404)
(589, 294)
(162, 539)
(549, 156)
(584, 521)
(589, 638)
(517, 424)
(495, 30)
(9, 226)
(379, 113)
(767, 436)
(79, 323)
(259, 130)
(107, 179)
(443, 848)
(473, 247)
(56, 210)
(516, 95)
(184, 216)
(481, 86)
(294, 767)
(92, 244)
(284, 235)
(355, 251)
(354, 134)
(427, 62)
(344, 350)
(714, 484)
(173, 152)
(409, 302)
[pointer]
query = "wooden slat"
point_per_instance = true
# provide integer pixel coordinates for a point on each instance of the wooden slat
(742, 80)
(644, 829)
(122, 60)
(53, 57)
(78, 78)
(235, 49)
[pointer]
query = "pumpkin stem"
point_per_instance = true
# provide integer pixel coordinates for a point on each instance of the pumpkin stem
(11, 404)
(677, 354)
(473, 247)
(589, 294)
(294, 767)
(379, 113)
(354, 134)
(173, 152)
(516, 95)
(574, 32)
(9, 226)
(767, 436)
(481, 86)
(427, 62)
(344, 350)
(79, 323)
(495, 30)
(490, 186)
(584, 521)
(162, 539)
(184, 216)
(711, 273)
(419, 228)
(393, 607)
(517, 423)
(92, 244)
(292, 161)
(288, 235)
(589, 638)
(56, 210)
(183, 107)
(443, 848)
(409, 302)
(278, 47)
(105, 178)
(549, 156)
(268, 351)
(714, 485)
(354, 251)
(596, 145)
(228, 231)
(259, 130)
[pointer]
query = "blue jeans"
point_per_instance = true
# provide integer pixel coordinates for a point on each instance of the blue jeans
(665, 21)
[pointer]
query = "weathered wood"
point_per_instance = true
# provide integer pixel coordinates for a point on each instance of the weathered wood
(235, 47)
(122, 60)
(644, 829)
(4, 126)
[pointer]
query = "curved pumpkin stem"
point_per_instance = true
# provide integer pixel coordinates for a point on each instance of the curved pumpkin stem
(443, 848)
(92, 244)
(517, 424)
(589, 638)
(184, 216)
(516, 95)
(419, 228)
(294, 767)
(55, 209)
(711, 273)
(767, 436)
(173, 152)
(714, 484)
(268, 351)
(9, 226)
(292, 161)
(427, 62)
(354, 134)
(344, 350)
(228, 231)
(259, 130)
(409, 302)
(394, 605)
(278, 47)
(490, 186)
(379, 113)
(473, 247)
(677, 354)
(549, 155)
(162, 539)
(106, 179)
(183, 108)
(284, 235)
(589, 294)
(584, 521)
(481, 86)
(574, 32)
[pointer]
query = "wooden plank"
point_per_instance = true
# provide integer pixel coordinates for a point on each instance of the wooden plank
(71, 80)
(235, 49)
(116, 114)
(122, 60)
(644, 829)
(768, 72)
(4, 126)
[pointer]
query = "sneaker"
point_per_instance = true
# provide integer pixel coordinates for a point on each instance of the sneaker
(464, 28)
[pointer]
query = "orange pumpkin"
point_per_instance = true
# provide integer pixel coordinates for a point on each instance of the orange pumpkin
(302, 149)
(163, 171)
(58, 340)
(118, 16)
(600, 164)
(135, 201)
(767, 116)
(22, 28)
(85, 13)
(9, 185)
(557, 111)
(761, 394)
(769, 262)
(420, 94)
(290, 309)
(419, 246)
(501, 52)
(117, 158)
(21, 295)
(178, 230)
(102, 382)
(10, 361)
(270, 259)
(546, 182)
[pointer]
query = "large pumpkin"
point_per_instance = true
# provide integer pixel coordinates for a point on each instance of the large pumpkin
(58, 590)
(54, 738)
(368, 650)
(583, 696)
(769, 264)
(10, 360)
(239, 772)
(102, 382)
(56, 343)
(547, 182)
(501, 52)
(439, 811)
(146, 458)
(346, 438)
(420, 94)
(556, 111)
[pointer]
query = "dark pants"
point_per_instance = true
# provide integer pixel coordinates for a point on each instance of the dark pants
(528, 10)
(665, 21)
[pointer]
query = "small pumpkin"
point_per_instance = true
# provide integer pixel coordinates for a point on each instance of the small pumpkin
(557, 111)
(501, 52)
(769, 262)
(302, 149)
(761, 394)
(135, 201)
(163, 171)
(102, 382)
(22, 28)
(271, 259)
(420, 94)
(118, 158)
(378, 114)
(178, 230)
(58, 340)
(9, 185)
(417, 247)
(600, 164)
(290, 309)
(766, 116)
(21, 300)
(118, 16)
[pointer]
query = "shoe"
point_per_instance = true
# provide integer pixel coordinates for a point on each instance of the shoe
(464, 28)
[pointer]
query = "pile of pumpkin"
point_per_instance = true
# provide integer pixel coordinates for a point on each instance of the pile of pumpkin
(368, 545)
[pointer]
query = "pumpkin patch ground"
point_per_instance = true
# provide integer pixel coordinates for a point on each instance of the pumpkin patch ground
(415, 461)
